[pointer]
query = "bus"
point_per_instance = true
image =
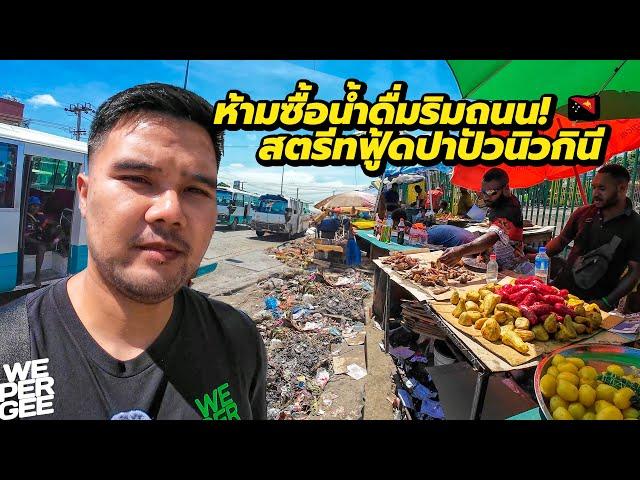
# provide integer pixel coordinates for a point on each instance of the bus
(280, 214)
(235, 207)
(39, 164)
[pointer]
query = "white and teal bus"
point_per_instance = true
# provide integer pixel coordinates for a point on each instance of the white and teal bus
(236, 207)
(46, 166)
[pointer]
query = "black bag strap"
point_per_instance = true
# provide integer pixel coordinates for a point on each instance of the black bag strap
(15, 339)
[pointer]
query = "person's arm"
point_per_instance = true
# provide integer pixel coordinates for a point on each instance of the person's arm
(623, 287)
(557, 244)
(452, 255)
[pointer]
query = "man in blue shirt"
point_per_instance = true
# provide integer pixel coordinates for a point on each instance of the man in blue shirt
(449, 235)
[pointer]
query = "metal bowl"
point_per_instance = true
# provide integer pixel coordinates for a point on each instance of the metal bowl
(597, 356)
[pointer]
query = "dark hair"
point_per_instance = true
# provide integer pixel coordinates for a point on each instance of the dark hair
(418, 188)
(618, 172)
(158, 98)
(496, 173)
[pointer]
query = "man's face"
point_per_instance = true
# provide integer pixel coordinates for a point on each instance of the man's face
(150, 205)
(492, 192)
(34, 208)
(606, 191)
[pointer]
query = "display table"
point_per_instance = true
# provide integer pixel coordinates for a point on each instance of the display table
(483, 361)
(375, 248)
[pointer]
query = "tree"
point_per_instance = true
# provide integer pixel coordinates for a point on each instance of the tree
(222, 184)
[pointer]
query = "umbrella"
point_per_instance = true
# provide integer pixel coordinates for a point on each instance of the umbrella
(616, 81)
(348, 199)
(625, 136)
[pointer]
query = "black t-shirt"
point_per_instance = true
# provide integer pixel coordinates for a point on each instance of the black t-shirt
(209, 362)
(589, 231)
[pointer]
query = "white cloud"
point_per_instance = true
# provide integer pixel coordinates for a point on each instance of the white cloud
(42, 100)
(236, 165)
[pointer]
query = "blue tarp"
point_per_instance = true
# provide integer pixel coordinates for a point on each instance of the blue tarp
(392, 171)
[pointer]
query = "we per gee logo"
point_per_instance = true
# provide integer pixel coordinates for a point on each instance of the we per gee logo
(28, 392)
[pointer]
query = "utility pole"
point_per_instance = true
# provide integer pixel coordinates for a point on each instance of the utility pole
(186, 75)
(297, 196)
(79, 110)
(282, 180)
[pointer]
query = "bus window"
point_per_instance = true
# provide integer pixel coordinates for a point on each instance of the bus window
(8, 158)
(223, 197)
(239, 200)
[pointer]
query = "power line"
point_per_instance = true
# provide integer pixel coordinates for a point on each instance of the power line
(78, 109)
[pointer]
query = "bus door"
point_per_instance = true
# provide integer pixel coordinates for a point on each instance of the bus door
(49, 202)
(11, 166)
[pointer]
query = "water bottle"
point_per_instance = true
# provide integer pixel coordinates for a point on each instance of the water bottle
(492, 269)
(401, 232)
(542, 264)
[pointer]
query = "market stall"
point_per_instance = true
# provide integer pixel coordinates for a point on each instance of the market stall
(486, 356)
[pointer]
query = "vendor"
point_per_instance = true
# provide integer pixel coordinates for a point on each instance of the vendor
(592, 226)
(420, 196)
(505, 235)
(464, 203)
(391, 198)
(435, 196)
(449, 235)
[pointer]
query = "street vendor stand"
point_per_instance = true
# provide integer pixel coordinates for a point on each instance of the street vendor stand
(483, 361)
(375, 248)
(533, 236)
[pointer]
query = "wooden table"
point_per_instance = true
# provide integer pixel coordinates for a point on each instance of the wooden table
(482, 360)
(375, 248)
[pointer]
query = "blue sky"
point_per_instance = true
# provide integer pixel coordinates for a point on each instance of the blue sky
(46, 87)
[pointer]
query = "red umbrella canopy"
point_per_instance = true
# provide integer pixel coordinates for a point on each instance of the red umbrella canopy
(625, 136)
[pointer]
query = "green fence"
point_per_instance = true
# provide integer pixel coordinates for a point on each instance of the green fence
(552, 202)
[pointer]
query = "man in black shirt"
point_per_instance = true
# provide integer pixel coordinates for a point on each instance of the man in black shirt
(591, 226)
(124, 338)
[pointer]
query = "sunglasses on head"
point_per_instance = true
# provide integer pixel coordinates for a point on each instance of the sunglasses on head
(491, 193)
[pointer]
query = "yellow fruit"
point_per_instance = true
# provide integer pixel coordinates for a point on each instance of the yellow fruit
(605, 392)
(587, 395)
(557, 360)
(556, 401)
(615, 369)
(601, 404)
(609, 413)
(588, 372)
(589, 416)
(592, 383)
(569, 377)
(578, 362)
(548, 386)
(567, 391)
(630, 413)
(568, 367)
(622, 398)
(577, 410)
(552, 371)
(562, 413)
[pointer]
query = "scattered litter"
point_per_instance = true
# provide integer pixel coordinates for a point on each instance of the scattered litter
(432, 408)
(419, 359)
(356, 371)
(406, 399)
(335, 332)
(366, 286)
(356, 339)
(322, 377)
(271, 302)
(402, 352)
(421, 392)
(377, 325)
(312, 326)
(411, 383)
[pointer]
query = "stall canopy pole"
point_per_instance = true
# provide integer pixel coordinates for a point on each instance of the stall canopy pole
(580, 187)
(375, 212)
(430, 193)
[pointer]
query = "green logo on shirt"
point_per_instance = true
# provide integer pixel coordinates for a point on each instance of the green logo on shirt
(219, 405)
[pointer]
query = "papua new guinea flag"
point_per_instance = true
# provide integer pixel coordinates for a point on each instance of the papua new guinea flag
(584, 108)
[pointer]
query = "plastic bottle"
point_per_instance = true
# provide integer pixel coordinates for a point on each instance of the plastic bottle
(386, 230)
(377, 230)
(542, 264)
(401, 232)
(492, 269)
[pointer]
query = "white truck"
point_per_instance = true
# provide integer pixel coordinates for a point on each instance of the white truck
(279, 214)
